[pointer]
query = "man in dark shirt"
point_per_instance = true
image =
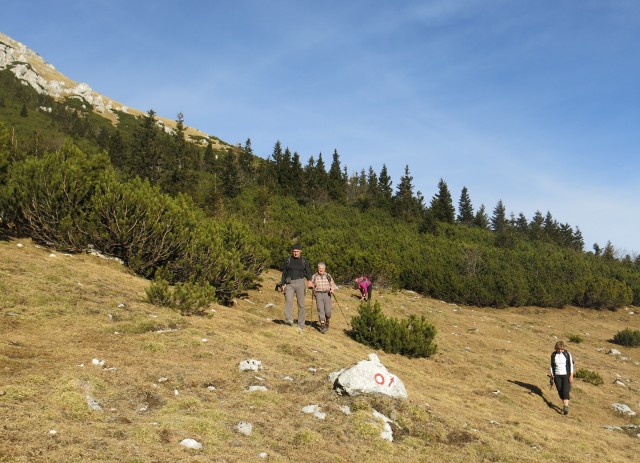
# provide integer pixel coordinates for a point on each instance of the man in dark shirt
(296, 270)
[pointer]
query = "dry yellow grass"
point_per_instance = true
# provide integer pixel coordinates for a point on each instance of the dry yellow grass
(483, 397)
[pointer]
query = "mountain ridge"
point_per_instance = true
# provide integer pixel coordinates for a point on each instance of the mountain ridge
(33, 70)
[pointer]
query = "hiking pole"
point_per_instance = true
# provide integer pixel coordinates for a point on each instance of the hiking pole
(343, 315)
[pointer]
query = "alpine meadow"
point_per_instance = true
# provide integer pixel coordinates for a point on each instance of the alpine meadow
(138, 264)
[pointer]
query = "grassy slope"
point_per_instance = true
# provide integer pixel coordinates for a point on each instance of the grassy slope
(58, 313)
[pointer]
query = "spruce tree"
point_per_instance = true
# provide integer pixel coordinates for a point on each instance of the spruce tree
(481, 219)
(442, 204)
(405, 205)
(465, 209)
(335, 183)
(499, 221)
(385, 187)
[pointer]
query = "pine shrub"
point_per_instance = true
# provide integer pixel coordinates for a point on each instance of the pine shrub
(628, 338)
(186, 298)
(589, 376)
(576, 338)
(412, 337)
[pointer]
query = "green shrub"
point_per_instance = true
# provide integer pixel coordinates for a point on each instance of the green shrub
(628, 338)
(589, 376)
(412, 337)
(186, 298)
(576, 338)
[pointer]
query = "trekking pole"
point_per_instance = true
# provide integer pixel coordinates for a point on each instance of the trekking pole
(343, 315)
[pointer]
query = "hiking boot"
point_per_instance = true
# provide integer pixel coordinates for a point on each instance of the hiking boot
(327, 322)
(290, 322)
(323, 327)
(565, 410)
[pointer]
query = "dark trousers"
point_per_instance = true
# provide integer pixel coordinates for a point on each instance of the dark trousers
(563, 386)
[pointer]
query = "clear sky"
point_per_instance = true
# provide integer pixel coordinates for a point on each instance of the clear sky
(535, 103)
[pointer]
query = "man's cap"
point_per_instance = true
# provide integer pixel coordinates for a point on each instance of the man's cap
(296, 246)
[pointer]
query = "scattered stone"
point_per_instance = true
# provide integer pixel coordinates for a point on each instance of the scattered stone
(250, 365)
(257, 389)
(387, 432)
(121, 305)
(270, 305)
(614, 352)
(624, 409)
(211, 388)
(98, 363)
(52, 255)
(315, 411)
(191, 444)
(619, 383)
(53, 432)
(288, 378)
(263, 454)
(20, 245)
(163, 379)
(244, 428)
(204, 340)
(93, 404)
(368, 377)
(345, 409)
(312, 370)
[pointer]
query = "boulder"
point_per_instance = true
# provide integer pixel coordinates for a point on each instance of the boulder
(368, 377)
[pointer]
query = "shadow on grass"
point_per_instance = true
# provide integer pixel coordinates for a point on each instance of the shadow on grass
(537, 391)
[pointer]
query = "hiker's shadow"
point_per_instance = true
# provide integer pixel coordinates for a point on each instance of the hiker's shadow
(537, 391)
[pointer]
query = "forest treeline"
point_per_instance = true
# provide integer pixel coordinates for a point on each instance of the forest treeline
(186, 210)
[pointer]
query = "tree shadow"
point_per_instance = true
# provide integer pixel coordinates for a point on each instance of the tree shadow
(537, 391)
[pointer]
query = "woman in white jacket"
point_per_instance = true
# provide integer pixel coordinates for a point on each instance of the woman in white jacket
(562, 373)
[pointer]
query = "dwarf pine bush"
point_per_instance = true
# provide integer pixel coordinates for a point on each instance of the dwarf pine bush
(576, 338)
(589, 376)
(627, 337)
(412, 337)
(186, 298)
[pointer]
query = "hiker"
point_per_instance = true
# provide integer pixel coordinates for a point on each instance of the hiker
(323, 287)
(296, 269)
(365, 285)
(562, 373)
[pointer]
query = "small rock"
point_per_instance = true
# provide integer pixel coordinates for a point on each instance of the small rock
(163, 379)
(211, 388)
(191, 443)
(614, 352)
(244, 428)
(250, 365)
(257, 389)
(263, 454)
(97, 362)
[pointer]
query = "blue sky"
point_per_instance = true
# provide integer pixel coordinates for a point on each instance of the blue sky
(533, 103)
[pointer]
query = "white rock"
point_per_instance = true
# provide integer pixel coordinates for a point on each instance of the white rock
(93, 404)
(387, 432)
(20, 245)
(250, 365)
(345, 409)
(614, 352)
(244, 428)
(98, 363)
(211, 388)
(315, 411)
(263, 454)
(624, 409)
(368, 377)
(257, 389)
(191, 443)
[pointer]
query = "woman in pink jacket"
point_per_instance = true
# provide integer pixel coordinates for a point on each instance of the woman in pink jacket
(365, 286)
